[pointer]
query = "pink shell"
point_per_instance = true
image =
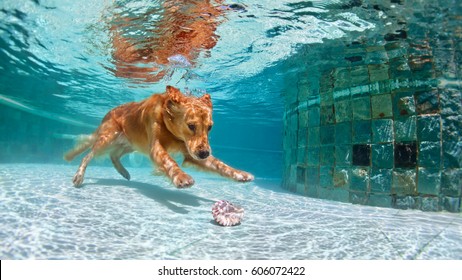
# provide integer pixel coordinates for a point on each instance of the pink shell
(227, 214)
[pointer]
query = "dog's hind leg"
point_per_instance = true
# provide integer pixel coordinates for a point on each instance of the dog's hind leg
(115, 158)
(105, 137)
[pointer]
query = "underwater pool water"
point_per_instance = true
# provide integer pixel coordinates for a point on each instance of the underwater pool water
(59, 77)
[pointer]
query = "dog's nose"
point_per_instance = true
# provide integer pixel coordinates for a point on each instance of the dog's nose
(203, 154)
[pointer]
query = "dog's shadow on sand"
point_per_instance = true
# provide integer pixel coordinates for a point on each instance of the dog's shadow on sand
(168, 198)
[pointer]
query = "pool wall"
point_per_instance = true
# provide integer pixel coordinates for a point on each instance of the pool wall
(376, 120)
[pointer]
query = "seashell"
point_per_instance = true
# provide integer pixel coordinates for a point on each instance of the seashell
(227, 214)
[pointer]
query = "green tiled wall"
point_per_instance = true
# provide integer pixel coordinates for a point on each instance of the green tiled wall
(380, 125)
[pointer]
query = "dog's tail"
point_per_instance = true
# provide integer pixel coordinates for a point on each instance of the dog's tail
(84, 142)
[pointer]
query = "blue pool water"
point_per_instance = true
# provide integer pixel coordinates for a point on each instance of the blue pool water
(59, 77)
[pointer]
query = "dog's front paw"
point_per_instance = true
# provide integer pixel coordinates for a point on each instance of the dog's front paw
(183, 180)
(78, 179)
(243, 176)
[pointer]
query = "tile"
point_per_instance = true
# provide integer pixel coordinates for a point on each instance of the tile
(312, 156)
(431, 203)
(407, 202)
(427, 102)
(429, 128)
(405, 154)
(314, 137)
(451, 182)
(381, 106)
(404, 182)
(377, 71)
(327, 156)
(326, 176)
(327, 134)
(403, 104)
(343, 155)
(341, 178)
(359, 198)
(327, 114)
(312, 176)
(302, 118)
(343, 111)
(380, 200)
(429, 154)
(382, 156)
(361, 108)
(343, 133)
(381, 180)
(301, 155)
(302, 137)
(451, 204)
(382, 131)
(362, 131)
(314, 116)
(361, 155)
(405, 129)
(452, 154)
(429, 181)
(360, 179)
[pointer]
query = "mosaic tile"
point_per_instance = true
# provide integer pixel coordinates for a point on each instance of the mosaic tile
(343, 133)
(302, 118)
(342, 77)
(405, 129)
(429, 181)
(314, 117)
(301, 155)
(381, 106)
(377, 72)
(430, 204)
(361, 155)
(358, 198)
(362, 131)
(451, 101)
(382, 155)
(360, 179)
(452, 154)
(380, 200)
(451, 204)
(312, 156)
(313, 137)
(407, 202)
(327, 134)
(341, 178)
(429, 128)
(312, 176)
(300, 174)
(427, 102)
(403, 104)
(382, 131)
(404, 181)
(381, 180)
(361, 108)
(326, 178)
(343, 155)
(452, 125)
(359, 75)
(405, 154)
(429, 154)
(327, 114)
(302, 137)
(327, 156)
(343, 112)
(451, 182)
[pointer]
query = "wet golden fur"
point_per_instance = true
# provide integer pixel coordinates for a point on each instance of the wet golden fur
(157, 126)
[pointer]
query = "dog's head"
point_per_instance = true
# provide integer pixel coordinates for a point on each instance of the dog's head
(189, 118)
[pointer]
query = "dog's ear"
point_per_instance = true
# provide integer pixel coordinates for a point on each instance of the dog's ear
(174, 94)
(207, 99)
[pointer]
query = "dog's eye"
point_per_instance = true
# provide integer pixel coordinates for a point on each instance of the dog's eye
(210, 127)
(192, 127)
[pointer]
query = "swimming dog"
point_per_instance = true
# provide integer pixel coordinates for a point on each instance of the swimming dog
(159, 125)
